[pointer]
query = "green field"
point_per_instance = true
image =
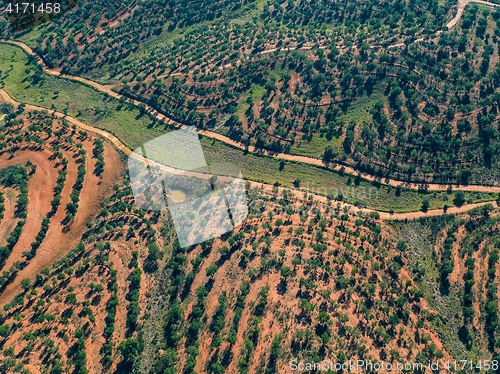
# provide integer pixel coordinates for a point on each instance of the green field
(266, 169)
(316, 147)
(358, 112)
(76, 99)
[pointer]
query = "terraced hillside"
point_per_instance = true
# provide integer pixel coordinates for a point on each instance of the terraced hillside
(296, 284)
(359, 128)
(62, 179)
(454, 260)
(290, 284)
(384, 87)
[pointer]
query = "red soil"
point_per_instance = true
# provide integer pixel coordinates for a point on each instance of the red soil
(39, 196)
(8, 222)
(59, 240)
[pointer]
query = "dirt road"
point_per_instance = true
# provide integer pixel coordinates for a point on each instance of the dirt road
(461, 9)
(113, 139)
(350, 170)
(296, 158)
(307, 160)
(438, 187)
(383, 215)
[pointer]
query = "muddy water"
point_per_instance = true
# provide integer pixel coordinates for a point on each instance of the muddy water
(178, 195)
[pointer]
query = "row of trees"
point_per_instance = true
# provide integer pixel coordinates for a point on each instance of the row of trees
(110, 319)
(61, 179)
(98, 153)
(38, 239)
(2, 206)
(133, 295)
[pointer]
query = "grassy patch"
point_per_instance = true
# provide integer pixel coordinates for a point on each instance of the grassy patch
(11, 194)
(321, 180)
(316, 147)
(257, 92)
(76, 99)
(359, 110)
(421, 236)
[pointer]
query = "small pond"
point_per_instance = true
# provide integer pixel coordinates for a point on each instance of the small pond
(177, 195)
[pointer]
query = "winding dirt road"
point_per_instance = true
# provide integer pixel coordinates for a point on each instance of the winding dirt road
(383, 215)
(350, 170)
(113, 139)
(453, 210)
(461, 9)
(307, 160)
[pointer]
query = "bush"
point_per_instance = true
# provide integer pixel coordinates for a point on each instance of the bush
(211, 270)
(425, 205)
(129, 348)
(286, 272)
(459, 199)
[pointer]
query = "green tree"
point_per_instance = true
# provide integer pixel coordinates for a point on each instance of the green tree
(282, 165)
(22, 201)
(26, 284)
(5, 330)
(211, 270)
(71, 298)
(328, 155)
(459, 199)
(465, 174)
(129, 348)
(425, 205)
(286, 272)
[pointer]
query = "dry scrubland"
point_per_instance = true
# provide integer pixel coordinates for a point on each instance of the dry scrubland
(90, 283)
(283, 286)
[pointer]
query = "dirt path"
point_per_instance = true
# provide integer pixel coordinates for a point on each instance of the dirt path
(383, 215)
(461, 9)
(113, 139)
(433, 212)
(9, 221)
(307, 160)
(350, 170)
(59, 239)
(291, 49)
